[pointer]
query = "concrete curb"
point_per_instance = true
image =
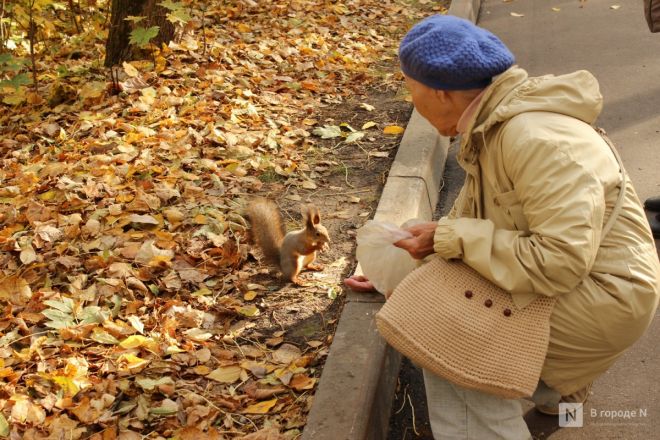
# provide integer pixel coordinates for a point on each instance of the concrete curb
(356, 389)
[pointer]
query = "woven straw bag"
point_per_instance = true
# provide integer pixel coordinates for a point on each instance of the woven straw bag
(451, 321)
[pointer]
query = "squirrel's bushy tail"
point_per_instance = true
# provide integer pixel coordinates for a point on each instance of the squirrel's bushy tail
(266, 228)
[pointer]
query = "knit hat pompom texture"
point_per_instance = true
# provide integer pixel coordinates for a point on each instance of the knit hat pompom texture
(450, 53)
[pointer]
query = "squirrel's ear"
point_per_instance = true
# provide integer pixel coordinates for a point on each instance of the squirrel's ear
(312, 215)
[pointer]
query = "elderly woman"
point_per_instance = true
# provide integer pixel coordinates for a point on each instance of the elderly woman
(540, 184)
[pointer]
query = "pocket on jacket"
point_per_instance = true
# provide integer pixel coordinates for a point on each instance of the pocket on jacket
(509, 202)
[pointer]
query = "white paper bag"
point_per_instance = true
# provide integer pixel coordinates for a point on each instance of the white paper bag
(384, 264)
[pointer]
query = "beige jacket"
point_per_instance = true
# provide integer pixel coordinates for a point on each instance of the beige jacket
(540, 185)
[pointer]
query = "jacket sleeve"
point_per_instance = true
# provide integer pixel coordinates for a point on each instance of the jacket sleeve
(563, 202)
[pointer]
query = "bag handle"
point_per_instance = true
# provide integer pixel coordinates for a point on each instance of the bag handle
(624, 181)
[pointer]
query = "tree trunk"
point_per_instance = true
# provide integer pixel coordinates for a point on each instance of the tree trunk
(117, 47)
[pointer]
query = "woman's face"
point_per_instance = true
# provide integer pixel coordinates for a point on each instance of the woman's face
(441, 108)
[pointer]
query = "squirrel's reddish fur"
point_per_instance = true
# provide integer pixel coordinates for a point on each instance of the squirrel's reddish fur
(291, 251)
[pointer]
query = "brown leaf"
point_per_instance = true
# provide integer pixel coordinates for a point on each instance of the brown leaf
(301, 382)
(257, 392)
(143, 202)
(286, 354)
(15, 290)
(274, 342)
(37, 212)
(68, 261)
(85, 412)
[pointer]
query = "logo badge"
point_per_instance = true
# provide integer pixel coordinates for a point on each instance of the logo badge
(570, 415)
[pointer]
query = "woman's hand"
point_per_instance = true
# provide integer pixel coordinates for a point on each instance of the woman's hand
(421, 244)
(359, 283)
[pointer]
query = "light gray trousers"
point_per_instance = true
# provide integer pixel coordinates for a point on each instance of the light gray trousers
(457, 413)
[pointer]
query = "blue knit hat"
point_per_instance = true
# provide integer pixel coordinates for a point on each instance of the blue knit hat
(449, 53)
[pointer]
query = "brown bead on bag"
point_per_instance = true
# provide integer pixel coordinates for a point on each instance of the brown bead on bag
(447, 318)
(652, 14)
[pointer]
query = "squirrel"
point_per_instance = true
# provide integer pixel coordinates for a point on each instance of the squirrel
(292, 251)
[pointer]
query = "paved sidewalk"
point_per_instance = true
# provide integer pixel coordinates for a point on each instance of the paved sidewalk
(616, 46)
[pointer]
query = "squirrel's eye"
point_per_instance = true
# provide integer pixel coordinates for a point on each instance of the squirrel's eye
(318, 234)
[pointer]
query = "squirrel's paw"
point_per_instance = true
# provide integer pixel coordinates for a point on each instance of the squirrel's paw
(298, 282)
(315, 266)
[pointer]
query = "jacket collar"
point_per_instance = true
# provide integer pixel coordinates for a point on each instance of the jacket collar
(486, 115)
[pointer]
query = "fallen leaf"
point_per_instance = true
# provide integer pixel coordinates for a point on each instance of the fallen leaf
(136, 323)
(556, 9)
(229, 374)
(4, 426)
(515, 14)
(274, 342)
(354, 137)
(134, 341)
(130, 70)
(150, 384)
(198, 335)
(203, 355)
(202, 370)
(92, 89)
(615, 7)
(393, 129)
(28, 255)
(261, 407)
(368, 125)
(15, 290)
(249, 310)
(379, 154)
(143, 219)
(129, 363)
(308, 184)
(103, 337)
(327, 131)
(259, 392)
(165, 408)
(367, 107)
(19, 412)
(300, 382)
(286, 354)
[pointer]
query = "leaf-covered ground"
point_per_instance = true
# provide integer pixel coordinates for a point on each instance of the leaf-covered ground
(131, 304)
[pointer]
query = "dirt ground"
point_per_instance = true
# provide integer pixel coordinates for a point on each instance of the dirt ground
(349, 180)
